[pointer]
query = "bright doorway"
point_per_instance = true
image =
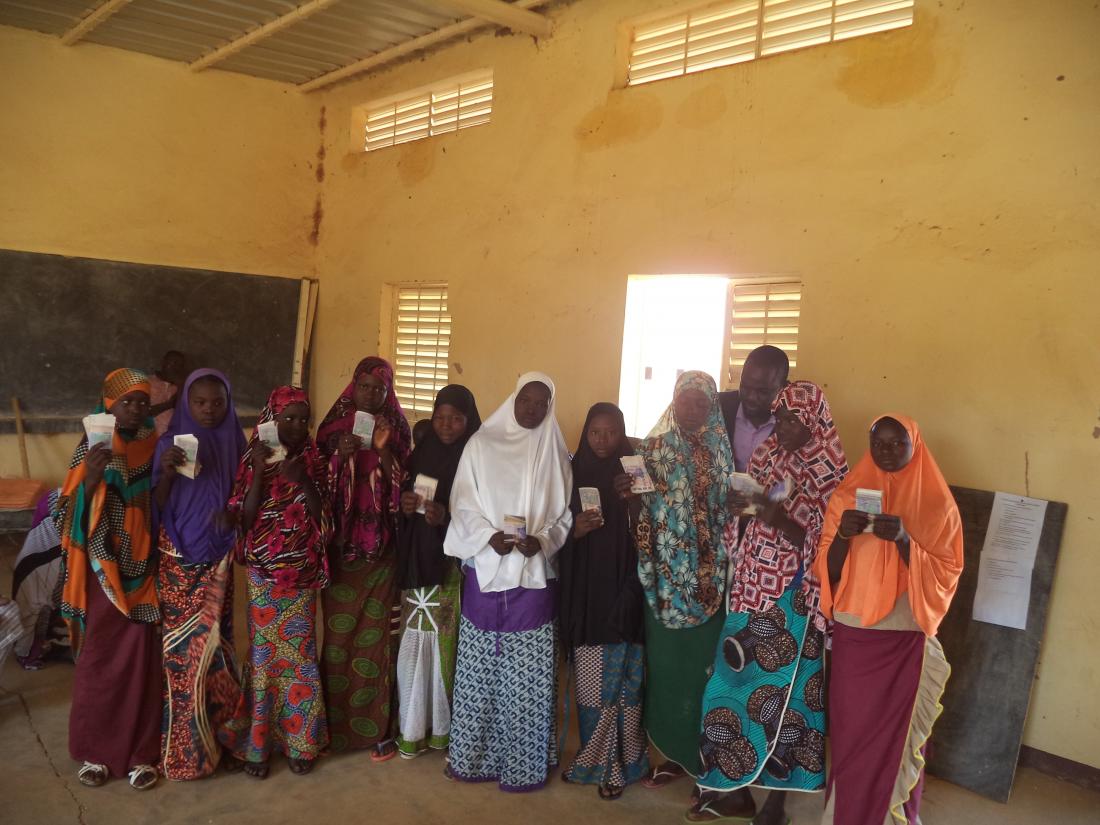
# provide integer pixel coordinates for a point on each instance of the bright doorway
(674, 323)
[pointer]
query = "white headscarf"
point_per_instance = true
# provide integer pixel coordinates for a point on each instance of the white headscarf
(509, 470)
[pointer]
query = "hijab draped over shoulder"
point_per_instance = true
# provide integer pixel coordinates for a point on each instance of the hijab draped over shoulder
(874, 576)
(109, 533)
(420, 558)
(366, 503)
(509, 470)
(189, 515)
(285, 544)
(766, 562)
(681, 552)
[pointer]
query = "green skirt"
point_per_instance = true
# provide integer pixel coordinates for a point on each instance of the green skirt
(678, 664)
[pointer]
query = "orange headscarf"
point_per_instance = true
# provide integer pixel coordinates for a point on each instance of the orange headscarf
(874, 575)
(108, 533)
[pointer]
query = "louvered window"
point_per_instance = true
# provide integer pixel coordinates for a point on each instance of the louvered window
(453, 104)
(421, 342)
(721, 34)
(762, 314)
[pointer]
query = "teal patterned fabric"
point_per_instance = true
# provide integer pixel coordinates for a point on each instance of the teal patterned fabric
(681, 554)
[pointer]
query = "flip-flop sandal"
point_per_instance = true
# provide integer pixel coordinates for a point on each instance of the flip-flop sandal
(448, 774)
(92, 774)
(658, 778)
(300, 767)
(142, 777)
(609, 793)
(715, 815)
(381, 754)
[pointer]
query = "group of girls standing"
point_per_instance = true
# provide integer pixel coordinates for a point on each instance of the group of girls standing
(444, 618)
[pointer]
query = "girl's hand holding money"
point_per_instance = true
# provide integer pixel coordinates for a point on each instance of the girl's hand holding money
(586, 522)
(409, 502)
(348, 444)
(260, 454)
(173, 457)
(529, 546)
(500, 544)
(434, 513)
(95, 462)
(622, 484)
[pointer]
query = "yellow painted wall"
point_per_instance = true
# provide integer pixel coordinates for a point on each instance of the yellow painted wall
(934, 188)
(117, 155)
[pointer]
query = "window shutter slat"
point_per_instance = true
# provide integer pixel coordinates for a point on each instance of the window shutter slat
(763, 314)
(446, 107)
(721, 34)
(421, 345)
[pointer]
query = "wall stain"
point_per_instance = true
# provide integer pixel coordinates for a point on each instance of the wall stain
(626, 116)
(416, 162)
(702, 108)
(899, 66)
(318, 216)
(320, 172)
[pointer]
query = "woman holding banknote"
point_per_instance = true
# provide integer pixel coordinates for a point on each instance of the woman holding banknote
(430, 581)
(281, 502)
(601, 611)
(362, 606)
(763, 718)
(509, 517)
(109, 595)
(886, 582)
(682, 567)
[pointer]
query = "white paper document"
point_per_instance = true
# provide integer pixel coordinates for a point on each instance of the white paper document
(1008, 556)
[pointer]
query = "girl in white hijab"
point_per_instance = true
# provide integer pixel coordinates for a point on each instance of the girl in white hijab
(514, 471)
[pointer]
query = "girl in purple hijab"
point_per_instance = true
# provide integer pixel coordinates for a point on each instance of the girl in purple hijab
(195, 581)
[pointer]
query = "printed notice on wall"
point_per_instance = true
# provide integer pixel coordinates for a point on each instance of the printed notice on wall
(1008, 556)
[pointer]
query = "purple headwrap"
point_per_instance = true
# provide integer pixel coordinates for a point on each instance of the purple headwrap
(188, 515)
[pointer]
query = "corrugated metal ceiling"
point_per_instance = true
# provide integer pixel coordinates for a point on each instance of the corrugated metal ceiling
(335, 36)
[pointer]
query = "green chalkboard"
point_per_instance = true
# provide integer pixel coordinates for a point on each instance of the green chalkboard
(70, 321)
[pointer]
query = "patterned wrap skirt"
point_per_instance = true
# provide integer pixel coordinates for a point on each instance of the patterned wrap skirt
(282, 682)
(504, 726)
(764, 706)
(613, 748)
(203, 702)
(360, 656)
(426, 664)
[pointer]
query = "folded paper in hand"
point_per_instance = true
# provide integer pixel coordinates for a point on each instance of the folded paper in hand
(269, 435)
(190, 446)
(640, 482)
(425, 487)
(100, 428)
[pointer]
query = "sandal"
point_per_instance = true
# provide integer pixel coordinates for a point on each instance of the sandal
(448, 774)
(142, 777)
(92, 774)
(257, 770)
(384, 751)
(609, 792)
(663, 774)
(232, 764)
(704, 811)
(300, 767)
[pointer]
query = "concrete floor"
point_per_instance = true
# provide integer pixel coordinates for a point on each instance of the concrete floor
(38, 784)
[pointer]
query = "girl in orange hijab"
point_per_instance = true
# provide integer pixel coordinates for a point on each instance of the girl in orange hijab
(109, 597)
(886, 582)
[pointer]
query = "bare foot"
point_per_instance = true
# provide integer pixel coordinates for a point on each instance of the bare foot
(257, 770)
